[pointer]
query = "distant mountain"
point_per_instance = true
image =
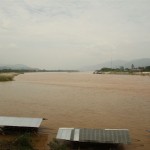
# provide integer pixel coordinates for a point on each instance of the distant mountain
(138, 62)
(17, 67)
(118, 63)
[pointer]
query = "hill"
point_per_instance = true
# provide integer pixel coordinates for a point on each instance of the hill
(17, 67)
(118, 63)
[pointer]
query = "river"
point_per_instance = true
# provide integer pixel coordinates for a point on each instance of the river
(82, 100)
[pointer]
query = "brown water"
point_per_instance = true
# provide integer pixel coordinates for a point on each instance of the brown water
(82, 100)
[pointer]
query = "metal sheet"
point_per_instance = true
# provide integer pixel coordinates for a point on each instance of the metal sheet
(76, 134)
(105, 136)
(116, 136)
(64, 133)
(20, 121)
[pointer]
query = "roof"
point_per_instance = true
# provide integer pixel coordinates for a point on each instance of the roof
(20, 121)
(116, 136)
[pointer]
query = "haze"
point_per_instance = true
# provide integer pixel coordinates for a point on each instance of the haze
(70, 34)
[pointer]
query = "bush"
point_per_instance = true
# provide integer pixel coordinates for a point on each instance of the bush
(56, 145)
(6, 78)
(24, 142)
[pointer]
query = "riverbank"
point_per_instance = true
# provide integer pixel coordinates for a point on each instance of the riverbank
(7, 76)
(123, 73)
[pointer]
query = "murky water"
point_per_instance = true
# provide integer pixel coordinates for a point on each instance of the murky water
(82, 100)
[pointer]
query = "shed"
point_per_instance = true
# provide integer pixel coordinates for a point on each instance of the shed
(111, 136)
(19, 123)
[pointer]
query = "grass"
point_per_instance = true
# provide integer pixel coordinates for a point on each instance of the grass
(7, 76)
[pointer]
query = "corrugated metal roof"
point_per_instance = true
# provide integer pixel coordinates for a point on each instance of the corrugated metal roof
(116, 136)
(20, 121)
(76, 134)
(64, 133)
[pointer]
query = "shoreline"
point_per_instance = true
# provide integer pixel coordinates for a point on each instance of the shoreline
(124, 73)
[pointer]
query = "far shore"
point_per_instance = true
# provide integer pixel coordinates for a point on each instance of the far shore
(124, 73)
(9, 76)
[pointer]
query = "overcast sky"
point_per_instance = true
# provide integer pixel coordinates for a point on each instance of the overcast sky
(70, 34)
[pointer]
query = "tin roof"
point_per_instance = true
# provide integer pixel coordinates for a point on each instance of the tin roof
(20, 121)
(116, 136)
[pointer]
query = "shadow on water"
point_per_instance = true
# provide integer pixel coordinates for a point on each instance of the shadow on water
(95, 146)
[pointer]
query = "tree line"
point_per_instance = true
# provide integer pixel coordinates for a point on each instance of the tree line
(122, 69)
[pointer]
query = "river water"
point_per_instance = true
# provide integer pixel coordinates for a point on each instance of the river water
(82, 100)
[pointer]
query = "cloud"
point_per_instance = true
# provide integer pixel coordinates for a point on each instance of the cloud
(74, 31)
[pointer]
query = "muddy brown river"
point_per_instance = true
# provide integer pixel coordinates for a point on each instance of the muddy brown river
(82, 100)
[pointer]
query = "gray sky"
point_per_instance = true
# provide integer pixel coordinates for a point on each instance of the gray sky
(70, 34)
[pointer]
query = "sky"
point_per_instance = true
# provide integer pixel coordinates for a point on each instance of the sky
(71, 34)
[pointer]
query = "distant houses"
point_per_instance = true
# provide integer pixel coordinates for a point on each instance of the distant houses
(123, 70)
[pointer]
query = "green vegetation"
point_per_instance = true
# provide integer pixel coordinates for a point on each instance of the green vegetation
(39, 70)
(7, 76)
(147, 68)
(24, 142)
(123, 70)
(20, 71)
(56, 145)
